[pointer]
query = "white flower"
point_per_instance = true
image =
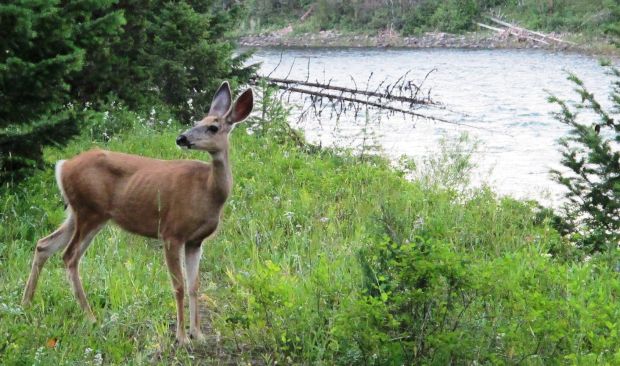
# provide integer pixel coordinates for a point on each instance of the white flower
(37, 355)
(418, 224)
(98, 360)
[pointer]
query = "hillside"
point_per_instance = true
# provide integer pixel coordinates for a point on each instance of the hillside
(413, 17)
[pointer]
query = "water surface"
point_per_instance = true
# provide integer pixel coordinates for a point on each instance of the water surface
(503, 90)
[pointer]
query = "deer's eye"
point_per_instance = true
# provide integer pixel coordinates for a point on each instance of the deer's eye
(212, 129)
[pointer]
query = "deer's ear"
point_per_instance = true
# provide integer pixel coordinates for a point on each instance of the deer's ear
(221, 101)
(242, 107)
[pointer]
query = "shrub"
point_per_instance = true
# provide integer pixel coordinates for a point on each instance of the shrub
(592, 174)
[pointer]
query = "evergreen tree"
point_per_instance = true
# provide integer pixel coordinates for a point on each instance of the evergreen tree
(40, 55)
(189, 55)
(592, 178)
(61, 56)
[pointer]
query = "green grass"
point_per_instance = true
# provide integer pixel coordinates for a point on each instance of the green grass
(320, 258)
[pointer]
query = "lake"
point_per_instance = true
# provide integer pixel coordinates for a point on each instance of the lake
(501, 90)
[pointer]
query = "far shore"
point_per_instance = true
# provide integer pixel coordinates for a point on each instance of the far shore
(472, 40)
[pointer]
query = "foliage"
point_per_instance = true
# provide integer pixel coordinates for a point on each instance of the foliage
(613, 28)
(592, 175)
(189, 55)
(416, 16)
(452, 167)
(320, 259)
(60, 58)
(42, 52)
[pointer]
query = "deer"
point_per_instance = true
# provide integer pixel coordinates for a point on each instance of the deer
(177, 201)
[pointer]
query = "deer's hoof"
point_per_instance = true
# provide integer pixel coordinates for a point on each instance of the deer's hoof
(182, 340)
(198, 336)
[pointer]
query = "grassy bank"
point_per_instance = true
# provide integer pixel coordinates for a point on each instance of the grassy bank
(321, 258)
(592, 17)
(591, 25)
(472, 40)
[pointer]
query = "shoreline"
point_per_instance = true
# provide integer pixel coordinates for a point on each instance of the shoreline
(471, 40)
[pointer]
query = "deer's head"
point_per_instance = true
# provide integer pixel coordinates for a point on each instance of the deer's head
(211, 133)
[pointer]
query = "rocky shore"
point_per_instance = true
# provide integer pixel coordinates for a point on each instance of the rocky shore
(427, 40)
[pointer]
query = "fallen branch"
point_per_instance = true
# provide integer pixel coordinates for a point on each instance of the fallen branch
(514, 33)
(387, 95)
(524, 30)
(307, 13)
(375, 105)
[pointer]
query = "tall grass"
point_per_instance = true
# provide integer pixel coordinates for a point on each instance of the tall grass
(321, 258)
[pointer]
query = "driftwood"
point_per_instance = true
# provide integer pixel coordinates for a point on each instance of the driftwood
(307, 13)
(387, 95)
(514, 33)
(524, 30)
(521, 32)
(340, 99)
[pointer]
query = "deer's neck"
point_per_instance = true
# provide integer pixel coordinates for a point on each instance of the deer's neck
(220, 181)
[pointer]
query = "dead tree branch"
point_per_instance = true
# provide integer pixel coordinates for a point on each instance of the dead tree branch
(343, 98)
(388, 94)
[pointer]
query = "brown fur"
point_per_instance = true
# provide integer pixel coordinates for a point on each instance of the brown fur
(179, 201)
(120, 187)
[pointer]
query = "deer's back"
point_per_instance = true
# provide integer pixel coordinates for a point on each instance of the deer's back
(140, 194)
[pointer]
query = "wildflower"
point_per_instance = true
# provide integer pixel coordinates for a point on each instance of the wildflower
(98, 360)
(37, 355)
(418, 224)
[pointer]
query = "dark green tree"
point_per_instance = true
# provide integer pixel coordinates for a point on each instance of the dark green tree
(62, 56)
(592, 176)
(189, 54)
(41, 53)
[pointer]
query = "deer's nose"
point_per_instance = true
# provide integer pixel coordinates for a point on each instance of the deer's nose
(182, 140)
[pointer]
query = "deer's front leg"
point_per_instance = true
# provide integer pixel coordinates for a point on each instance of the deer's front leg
(192, 261)
(172, 250)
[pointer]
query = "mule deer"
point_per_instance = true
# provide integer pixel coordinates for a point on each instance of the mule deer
(178, 201)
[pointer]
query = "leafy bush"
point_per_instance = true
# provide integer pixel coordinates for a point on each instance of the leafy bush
(455, 15)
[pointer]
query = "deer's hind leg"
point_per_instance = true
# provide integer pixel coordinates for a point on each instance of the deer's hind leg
(45, 248)
(87, 227)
